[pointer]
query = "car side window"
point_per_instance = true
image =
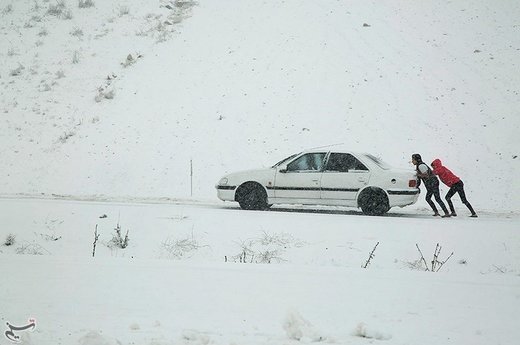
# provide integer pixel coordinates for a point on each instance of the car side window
(343, 162)
(308, 162)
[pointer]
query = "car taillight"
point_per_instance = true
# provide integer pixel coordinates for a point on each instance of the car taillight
(412, 183)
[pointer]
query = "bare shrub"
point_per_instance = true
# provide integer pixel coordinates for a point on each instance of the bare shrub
(8, 9)
(75, 57)
(10, 240)
(77, 32)
(104, 94)
(43, 32)
(56, 9)
(60, 74)
(31, 249)
(50, 238)
(269, 255)
(184, 4)
(17, 71)
(86, 3)
(173, 248)
(118, 240)
(436, 263)
(266, 249)
(66, 136)
(11, 52)
(67, 14)
(123, 10)
(36, 6)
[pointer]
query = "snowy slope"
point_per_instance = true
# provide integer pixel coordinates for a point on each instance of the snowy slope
(241, 84)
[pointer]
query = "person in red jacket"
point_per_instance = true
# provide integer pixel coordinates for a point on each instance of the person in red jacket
(456, 186)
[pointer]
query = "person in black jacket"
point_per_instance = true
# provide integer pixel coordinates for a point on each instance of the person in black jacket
(431, 182)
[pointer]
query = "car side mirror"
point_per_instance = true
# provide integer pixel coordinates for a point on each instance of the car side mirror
(283, 169)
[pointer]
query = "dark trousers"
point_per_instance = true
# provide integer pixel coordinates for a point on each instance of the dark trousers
(432, 188)
(458, 188)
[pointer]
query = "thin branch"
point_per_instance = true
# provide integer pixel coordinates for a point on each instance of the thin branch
(96, 237)
(370, 256)
(422, 257)
(443, 262)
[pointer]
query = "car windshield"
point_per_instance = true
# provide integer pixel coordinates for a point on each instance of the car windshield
(285, 160)
(378, 161)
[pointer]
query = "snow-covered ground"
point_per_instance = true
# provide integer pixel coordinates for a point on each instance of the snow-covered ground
(104, 105)
(206, 274)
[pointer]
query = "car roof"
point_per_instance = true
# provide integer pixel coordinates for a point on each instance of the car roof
(333, 148)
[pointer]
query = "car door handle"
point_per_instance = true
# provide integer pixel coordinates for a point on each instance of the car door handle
(315, 180)
(362, 179)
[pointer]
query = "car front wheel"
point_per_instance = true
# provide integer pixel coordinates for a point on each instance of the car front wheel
(251, 196)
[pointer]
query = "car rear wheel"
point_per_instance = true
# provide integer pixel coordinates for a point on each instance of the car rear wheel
(251, 196)
(373, 201)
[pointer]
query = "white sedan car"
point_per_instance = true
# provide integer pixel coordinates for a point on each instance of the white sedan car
(323, 177)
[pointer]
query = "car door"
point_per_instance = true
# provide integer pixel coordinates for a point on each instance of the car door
(300, 180)
(343, 176)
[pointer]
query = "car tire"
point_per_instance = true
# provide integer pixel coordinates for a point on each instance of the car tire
(251, 196)
(373, 201)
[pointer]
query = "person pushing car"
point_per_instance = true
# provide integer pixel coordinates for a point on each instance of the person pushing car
(456, 186)
(431, 182)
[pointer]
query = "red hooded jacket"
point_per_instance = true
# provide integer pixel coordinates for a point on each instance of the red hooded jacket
(446, 176)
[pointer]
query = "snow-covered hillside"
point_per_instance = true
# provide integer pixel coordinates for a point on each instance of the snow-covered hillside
(116, 98)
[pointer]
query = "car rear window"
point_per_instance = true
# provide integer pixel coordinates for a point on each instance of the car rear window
(378, 161)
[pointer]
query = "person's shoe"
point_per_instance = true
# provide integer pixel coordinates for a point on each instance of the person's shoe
(474, 215)
(436, 214)
(453, 214)
(447, 215)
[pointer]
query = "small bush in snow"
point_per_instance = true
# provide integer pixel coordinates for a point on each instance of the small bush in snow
(66, 136)
(60, 74)
(118, 240)
(36, 6)
(266, 249)
(363, 331)
(86, 3)
(103, 94)
(67, 15)
(185, 4)
(43, 32)
(124, 10)
(56, 9)
(11, 52)
(179, 248)
(436, 263)
(17, 71)
(31, 249)
(75, 57)
(77, 32)
(10, 240)
(8, 9)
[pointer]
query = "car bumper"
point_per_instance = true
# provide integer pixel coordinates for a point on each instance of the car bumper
(226, 193)
(401, 198)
